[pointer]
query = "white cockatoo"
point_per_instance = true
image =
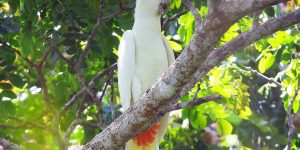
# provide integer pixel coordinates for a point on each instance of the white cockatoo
(144, 54)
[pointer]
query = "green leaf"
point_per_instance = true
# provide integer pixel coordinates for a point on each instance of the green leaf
(202, 121)
(7, 56)
(9, 94)
(16, 80)
(224, 127)
(296, 106)
(26, 44)
(246, 113)
(5, 86)
(176, 47)
(286, 57)
(7, 108)
(266, 62)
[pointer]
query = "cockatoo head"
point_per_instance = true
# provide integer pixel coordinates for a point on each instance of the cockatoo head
(157, 7)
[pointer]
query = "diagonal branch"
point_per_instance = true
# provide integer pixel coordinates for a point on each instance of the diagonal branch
(174, 17)
(192, 103)
(193, 9)
(272, 80)
(243, 40)
(90, 38)
(27, 122)
(183, 74)
(48, 51)
(6, 46)
(91, 84)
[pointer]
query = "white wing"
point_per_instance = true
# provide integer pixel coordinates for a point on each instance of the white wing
(169, 51)
(126, 68)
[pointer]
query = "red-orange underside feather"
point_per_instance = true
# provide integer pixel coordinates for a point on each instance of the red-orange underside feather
(147, 137)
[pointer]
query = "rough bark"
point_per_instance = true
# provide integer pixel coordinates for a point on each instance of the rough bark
(194, 62)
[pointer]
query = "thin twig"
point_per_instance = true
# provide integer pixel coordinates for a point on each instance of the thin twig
(20, 126)
(256, 18)
(92, 83)
(33, 124)
(174, 17)
(290, 119)
(105, 87)
(194, 11)
(90, 38)
(272, 80)
(91, 125)
(60, 55)
(70, 130)
(101, 120)
(198, 89)
(192, 103)
(81, 107)
(112, 97)
(91, 93)
(30, 63)
(45, 56)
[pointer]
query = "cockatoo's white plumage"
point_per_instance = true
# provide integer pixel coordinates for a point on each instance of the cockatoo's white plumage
(144, 54)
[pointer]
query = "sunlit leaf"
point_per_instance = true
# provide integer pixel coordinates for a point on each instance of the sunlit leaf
(266, 62)
(224, 127)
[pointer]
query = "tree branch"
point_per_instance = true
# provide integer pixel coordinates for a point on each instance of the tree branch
(70, 130)
(242, 41)
(113, 116)
(48, 51)
(185, 71)
(174, 17)
(9, 145)
(290, 119)
(90, 38)
(33, 124)
(55, 49)
(30, 63)
(256, 18)
(194, 11)
(272, 80)
(91, 84)
(192, 103)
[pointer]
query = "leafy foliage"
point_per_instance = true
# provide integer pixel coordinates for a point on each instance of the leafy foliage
(251, 113)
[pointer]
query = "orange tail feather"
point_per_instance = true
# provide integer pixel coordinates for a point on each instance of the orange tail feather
(147, 137)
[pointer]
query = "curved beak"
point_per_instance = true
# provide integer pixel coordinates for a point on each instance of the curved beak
(164, 6)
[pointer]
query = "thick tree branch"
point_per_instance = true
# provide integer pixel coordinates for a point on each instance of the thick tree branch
(242, 41)
(184, 71)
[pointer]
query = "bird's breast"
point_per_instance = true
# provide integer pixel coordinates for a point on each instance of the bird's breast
(151, 59)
